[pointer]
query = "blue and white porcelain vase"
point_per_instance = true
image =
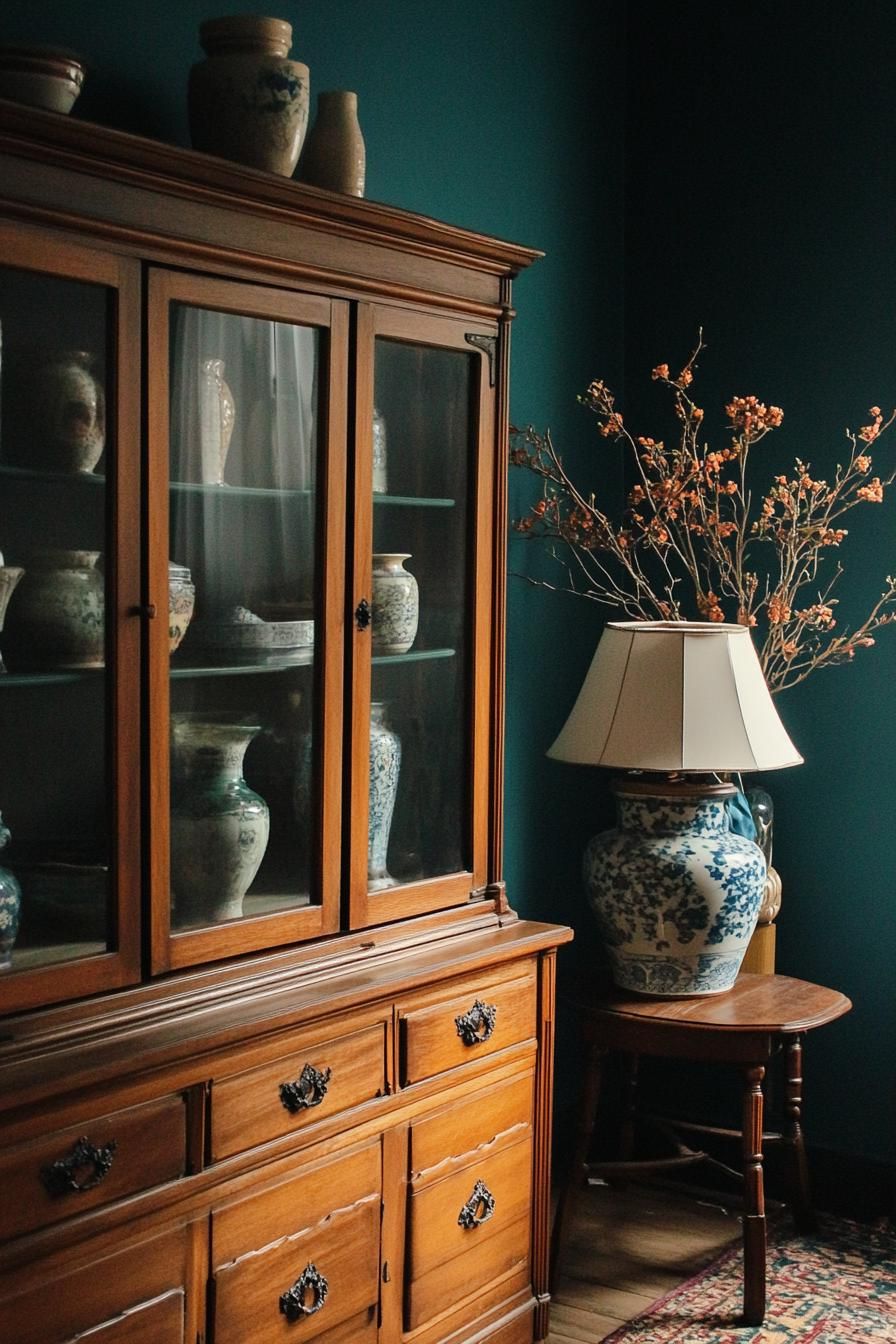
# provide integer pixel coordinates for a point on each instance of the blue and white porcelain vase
(10, 907)
(396, 604)
(675, 892)
(385, 765)
(219, 826)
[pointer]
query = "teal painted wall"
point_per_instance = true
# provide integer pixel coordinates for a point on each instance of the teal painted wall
(759, 204)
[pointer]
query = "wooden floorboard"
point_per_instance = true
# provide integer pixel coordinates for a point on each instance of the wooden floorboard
(625, 1249)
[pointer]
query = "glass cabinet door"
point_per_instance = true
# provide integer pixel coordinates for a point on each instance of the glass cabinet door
(69, 637)
(245, 435)
(421, 667)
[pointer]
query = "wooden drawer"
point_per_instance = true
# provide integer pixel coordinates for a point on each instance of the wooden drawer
(502, 1112)
(474, 1019)
(270, 1249)
(468, 1230)
(517, 1332)
(158, 1322)
(313, 1078)
(131, 1296)
(101, 1158)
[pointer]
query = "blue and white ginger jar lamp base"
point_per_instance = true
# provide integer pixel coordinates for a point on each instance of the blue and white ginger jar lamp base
(675, 892)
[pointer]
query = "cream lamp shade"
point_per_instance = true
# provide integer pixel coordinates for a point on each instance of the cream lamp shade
(675, 696)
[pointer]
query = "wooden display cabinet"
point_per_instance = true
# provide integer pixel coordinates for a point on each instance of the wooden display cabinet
(276, 1051)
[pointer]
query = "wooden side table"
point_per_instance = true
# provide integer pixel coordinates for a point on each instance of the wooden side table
(746, 1027)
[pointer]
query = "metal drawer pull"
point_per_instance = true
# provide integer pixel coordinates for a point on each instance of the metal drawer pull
(292, 1303)
(85, 1161)
(478, 1208)
(363, 614)
(478, 1024)
(309, 1089)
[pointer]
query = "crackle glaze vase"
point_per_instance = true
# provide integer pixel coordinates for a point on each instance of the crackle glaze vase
(675, 892)
(219, 826)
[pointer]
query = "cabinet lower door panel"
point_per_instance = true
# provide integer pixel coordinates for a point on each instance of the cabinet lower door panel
(305, 1286)
(467, 1231)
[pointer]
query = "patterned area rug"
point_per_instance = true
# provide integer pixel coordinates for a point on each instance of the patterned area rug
(838, 1287)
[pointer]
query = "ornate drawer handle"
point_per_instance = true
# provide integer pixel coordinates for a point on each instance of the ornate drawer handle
(85, 1159)
(478, 1024)
(292, 1303)
(309, 1089)
(363, 614)
(478, 1208)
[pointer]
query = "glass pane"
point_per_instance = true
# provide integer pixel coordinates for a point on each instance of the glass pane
(54, 459)
(424, 440)
(243, 446)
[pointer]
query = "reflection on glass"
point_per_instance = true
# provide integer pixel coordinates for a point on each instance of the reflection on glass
(243, 451)
(54, 455)
(419, 791)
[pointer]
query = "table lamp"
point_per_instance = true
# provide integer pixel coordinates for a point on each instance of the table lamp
(680, 706)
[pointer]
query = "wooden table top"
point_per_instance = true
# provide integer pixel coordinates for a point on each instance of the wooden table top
(777, 1004)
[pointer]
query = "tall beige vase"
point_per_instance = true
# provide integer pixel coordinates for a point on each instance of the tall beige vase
(247, 101)
(334, 155)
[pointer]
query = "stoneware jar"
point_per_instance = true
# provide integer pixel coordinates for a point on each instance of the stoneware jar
(396, 604)
(247, 101)
(385, 764)
(675, 892)
(10, 907)
(335, 156)
(219, 825)
(68, 413)
(59, 611)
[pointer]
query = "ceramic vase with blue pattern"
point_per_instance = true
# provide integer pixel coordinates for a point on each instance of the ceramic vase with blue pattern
(10, 907)
(675, 892)
(396, 604)
(219, 826)
(385, 764)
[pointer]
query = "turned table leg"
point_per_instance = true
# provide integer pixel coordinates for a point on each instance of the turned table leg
(800, 1195)
(754, 1198)
(578, 1161)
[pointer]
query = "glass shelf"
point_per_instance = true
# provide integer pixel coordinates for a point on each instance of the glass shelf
(215, 491)
(33, 474)
(65, 676)
(413, 656)
(412, 501)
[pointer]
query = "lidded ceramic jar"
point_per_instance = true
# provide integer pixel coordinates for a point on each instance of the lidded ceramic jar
(396, 604)
(247, 101)
(59, 610)
(45, 77)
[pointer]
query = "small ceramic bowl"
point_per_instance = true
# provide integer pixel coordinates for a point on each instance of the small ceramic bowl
(291, 634)
(41, 77)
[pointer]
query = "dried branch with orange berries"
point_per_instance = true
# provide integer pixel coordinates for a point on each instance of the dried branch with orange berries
(690, 535)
